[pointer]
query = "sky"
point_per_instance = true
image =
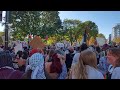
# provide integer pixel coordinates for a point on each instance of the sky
(105, 20)
(2, 27)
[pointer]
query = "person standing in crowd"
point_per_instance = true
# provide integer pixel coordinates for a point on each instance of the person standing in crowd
(113, 55)
(104, 48)
(49, 56)
(77, 55)
(69, 58)
(21, 58)
(35, 69)
(56, 69)
(98, 50)
(86, 68)
(103, 65)
(7, 70)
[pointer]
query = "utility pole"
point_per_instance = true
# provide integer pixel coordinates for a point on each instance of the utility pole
(85, 36)
(0, 16)
(6, 29)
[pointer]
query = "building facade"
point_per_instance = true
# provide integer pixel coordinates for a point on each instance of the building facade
(116, 31)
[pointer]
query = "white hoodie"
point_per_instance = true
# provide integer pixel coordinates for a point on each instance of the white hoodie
(92, 73)
(116, 73)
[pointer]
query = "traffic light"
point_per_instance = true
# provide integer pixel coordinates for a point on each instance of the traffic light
(0, 15)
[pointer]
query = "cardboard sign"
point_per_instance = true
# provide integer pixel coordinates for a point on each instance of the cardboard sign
(37, 43)
(100, 41)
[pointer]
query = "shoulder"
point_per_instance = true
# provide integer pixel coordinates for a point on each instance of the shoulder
(93, 73)
(117, 69)
(116, 73)
(76, 55)
(16, 74)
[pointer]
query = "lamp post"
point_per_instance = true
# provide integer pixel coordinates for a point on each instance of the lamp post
(6, 29)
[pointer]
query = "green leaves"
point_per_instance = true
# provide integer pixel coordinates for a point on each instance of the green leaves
(101, 35)
(36, 22)
(91, 28)
(48, 23)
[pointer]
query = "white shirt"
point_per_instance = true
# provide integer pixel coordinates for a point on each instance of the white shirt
(116, 73)
(93, 73)
(76, 58)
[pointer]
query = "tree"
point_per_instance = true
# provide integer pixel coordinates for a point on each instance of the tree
(101, 35)
(2, 33)
(91, 41)
(72, 29)
(36, 22)
(116, 40)
(91, 28)
(24, 21)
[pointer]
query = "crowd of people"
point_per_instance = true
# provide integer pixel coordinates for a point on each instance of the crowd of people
(80, 62)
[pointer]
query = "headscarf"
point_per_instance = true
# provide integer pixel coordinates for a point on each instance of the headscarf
(36, 64)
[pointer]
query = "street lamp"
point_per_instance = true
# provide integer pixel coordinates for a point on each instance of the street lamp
(6, 29)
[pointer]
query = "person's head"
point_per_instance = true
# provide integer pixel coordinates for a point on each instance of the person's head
(87, 57)
(56, 66)
(25, 55)
(83, 47)
(113, 55)
(35, 68)
(19, 54)
(5, 59)
(51, 52)
(105, 47)
(77, 48)
(98, 49)
(71, 49)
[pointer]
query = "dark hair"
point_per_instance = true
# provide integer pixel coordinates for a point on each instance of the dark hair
(98, 49)
(78, 49)
(25, 55)
(51, 52)
(56, 66)
(83, 47)
(19, 53)
(5, 59)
